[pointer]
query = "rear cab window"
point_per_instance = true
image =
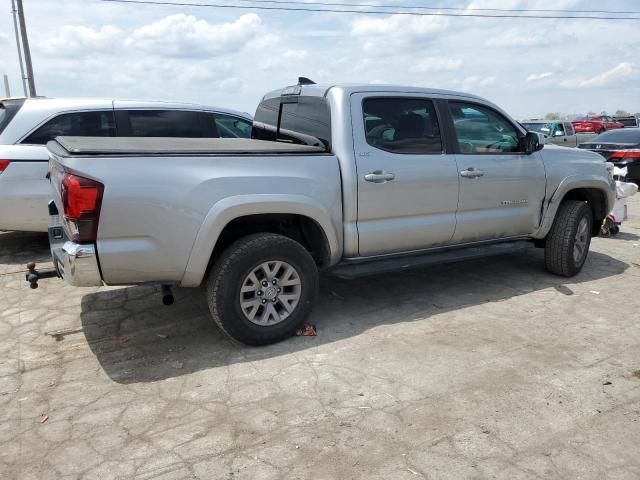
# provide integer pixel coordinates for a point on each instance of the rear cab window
(82, 124)
(305, 120)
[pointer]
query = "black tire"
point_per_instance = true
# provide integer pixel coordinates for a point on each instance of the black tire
(232, 267)
(561, 240)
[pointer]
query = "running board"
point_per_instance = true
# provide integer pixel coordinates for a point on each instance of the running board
(361, 268)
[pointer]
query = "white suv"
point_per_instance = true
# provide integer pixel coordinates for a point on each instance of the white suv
(26, 125)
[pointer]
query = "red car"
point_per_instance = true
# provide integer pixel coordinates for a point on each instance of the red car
(595, 124)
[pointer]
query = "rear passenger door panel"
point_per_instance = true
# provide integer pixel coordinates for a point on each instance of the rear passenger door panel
(416, 208)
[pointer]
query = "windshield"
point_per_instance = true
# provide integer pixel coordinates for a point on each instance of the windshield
(538, 127)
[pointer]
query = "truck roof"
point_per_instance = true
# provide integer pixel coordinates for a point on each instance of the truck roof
(321, 90)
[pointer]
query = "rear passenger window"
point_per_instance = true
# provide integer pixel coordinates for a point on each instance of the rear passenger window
(81, 124)
(482, 130)
(166, 123)
(402, 125)
(569, 129)
(231, 127)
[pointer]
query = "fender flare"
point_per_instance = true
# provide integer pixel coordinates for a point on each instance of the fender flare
(231, 208)
(567, 184)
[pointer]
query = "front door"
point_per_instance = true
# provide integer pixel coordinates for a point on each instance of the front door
(501, 188)
(407, 185)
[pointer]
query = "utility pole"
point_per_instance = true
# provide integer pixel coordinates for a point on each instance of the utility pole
(25, 48)
(7, 91)
(15, 29)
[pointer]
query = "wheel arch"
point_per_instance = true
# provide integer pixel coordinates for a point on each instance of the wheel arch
(295, 216)
(596, 192)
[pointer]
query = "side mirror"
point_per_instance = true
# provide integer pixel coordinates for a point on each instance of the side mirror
(558, 133)
(532, 142)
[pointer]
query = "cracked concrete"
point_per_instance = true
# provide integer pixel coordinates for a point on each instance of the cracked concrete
(487, 369)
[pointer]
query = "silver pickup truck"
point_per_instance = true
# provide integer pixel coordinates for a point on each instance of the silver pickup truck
(356, 179)
(558, 132)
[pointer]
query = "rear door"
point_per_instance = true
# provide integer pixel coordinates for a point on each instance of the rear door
(570, 135)
(501, 188)
(407, 184)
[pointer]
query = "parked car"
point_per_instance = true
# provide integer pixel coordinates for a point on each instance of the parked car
(26, 125)
(357, 179)
(620, 147)
(629, 121)
(557, 132)
(595, 124)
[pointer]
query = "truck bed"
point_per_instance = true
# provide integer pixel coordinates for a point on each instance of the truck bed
(143, 146)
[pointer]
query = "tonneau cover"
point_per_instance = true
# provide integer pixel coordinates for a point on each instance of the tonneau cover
(71, 146)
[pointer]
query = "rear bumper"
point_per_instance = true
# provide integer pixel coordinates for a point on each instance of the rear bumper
(77, 264)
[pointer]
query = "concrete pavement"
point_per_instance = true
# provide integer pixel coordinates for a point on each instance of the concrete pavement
(486, 369)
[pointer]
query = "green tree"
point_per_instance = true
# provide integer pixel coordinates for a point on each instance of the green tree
(552, 116)
(622, 113)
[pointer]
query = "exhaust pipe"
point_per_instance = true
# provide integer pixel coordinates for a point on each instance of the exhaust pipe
(167, 295)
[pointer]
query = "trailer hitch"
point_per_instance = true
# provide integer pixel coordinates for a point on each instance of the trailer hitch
(32, 276)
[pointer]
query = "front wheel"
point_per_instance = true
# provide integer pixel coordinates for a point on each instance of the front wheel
(262, 288)
(567, 244)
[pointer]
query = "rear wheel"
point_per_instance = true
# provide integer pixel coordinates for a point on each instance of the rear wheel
(567, 244)
(262, 288)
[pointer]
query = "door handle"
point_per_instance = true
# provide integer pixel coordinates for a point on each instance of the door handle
(471, 173)
(379, 176)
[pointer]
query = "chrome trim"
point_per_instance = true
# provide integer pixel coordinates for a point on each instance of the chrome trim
(77, 264)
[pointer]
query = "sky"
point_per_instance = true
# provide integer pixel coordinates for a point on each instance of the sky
(230, 58)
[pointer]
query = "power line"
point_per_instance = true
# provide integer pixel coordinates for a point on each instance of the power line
(365, 12)
(419, 7)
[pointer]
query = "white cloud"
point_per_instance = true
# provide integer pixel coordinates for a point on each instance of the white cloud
(620, 72)
(517, 38)
(283, 61)
(395, 32)
(231, 84)
(474, 82)
(74, 40)
(183, 35)
(437, 64)
(534, 77)
(295, 54)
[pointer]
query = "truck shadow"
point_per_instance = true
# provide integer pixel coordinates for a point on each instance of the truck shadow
(19, 248)
(137, 339)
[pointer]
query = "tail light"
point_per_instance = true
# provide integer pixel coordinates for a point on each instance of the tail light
(3, 165)
(81, 201)
(619, 154)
